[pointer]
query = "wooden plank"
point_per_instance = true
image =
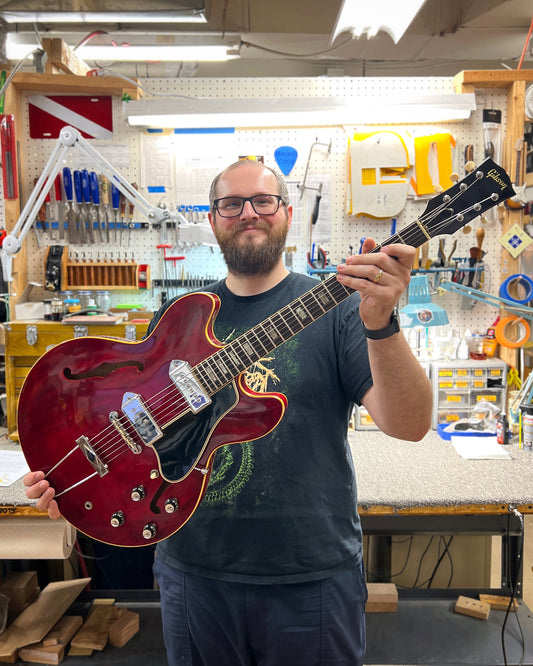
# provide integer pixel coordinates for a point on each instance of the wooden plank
(382, 598)
(63, 630)
(51, 649)
(123, 629)
(36, 621)
(468, 80)
(20, 586)
(94, 633)
(68, 83)
(499, 602)
(472, 607)
(60, 55)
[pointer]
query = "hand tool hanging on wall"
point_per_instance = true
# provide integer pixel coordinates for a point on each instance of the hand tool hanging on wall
(58, 207)
(86, 195)
(72, 221)
(104, 188)
(131, 209)
(80, 213)
(95, 199)
(9, 156)
(115, 201)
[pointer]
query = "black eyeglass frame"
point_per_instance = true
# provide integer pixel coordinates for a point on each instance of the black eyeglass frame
(250, 199)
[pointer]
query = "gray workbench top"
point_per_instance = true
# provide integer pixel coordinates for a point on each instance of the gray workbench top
(401, 474)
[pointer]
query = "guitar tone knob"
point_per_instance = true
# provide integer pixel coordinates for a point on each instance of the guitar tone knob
(117, 519)
(171, 505)
(138, 493)
(149, 531)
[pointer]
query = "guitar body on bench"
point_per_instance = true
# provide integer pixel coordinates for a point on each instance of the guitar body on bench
(126, 431)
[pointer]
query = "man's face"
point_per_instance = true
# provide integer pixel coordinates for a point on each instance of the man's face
(252, 244)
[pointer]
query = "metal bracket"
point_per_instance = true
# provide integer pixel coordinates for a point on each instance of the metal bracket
(32, 333)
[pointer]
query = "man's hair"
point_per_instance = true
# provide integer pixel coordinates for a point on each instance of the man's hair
(282, 185)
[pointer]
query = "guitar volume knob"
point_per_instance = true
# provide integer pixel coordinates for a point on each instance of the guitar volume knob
(149, 531)
(138, 493)
(117, 519)
(171, 505)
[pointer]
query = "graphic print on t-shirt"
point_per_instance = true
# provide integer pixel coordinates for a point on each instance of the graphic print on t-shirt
(234, 464)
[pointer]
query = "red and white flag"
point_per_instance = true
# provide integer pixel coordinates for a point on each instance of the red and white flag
(92, 116)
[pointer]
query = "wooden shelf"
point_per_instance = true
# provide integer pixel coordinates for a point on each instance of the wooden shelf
(468, 80)
(57, 84)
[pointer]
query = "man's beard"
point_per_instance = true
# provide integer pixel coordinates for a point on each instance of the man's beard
(247, 257)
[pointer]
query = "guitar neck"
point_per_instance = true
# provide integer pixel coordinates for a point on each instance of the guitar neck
(228, 362)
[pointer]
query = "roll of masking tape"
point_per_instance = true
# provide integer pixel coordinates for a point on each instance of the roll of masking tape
(517, 322)
(517, 280)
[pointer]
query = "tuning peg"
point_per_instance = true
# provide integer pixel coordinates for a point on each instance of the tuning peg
(438, 189)
(454, 177)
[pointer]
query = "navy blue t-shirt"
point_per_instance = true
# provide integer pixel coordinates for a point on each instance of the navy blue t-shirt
(283, 507)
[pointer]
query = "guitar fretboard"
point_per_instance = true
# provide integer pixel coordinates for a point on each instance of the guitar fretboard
(224, 365)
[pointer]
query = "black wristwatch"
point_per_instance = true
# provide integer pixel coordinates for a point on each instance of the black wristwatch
(382, 333)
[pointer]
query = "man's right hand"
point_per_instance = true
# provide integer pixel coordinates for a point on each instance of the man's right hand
(38, 488)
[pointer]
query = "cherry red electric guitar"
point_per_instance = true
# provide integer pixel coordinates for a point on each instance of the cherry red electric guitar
(126, 431)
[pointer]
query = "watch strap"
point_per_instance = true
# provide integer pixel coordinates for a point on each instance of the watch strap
(382, 333)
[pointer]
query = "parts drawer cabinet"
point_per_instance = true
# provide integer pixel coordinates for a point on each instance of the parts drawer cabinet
(459, 385)
(26, 341)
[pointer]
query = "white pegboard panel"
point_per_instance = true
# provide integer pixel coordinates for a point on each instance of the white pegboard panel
(327, 167)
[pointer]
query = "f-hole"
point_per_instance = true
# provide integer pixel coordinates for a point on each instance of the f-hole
(102, 370)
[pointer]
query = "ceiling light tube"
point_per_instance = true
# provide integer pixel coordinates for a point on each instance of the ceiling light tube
(182, 16)
(156, 53)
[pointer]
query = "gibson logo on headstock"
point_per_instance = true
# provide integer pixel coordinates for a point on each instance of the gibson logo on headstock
(495, 175)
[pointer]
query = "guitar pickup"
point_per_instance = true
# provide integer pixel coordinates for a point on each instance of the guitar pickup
(140, 418)
(190, 388)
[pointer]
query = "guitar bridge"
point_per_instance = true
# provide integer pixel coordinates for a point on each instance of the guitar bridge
(190, 388)
(89, 453)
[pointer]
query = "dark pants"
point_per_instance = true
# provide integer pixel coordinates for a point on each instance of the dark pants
(208, 622)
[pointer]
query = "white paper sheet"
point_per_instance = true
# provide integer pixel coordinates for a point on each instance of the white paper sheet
(12, 466)
(479, 448)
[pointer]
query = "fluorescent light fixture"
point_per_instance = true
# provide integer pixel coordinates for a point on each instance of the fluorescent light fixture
(179, 16)
(297, 112)
(156, 53)
(371, 16)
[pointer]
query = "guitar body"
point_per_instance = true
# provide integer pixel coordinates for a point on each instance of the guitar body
(137, 494)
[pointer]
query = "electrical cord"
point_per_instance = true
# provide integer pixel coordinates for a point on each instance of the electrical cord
(513, 582)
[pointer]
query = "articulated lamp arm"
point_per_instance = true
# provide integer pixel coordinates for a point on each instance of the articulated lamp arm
(69, 138)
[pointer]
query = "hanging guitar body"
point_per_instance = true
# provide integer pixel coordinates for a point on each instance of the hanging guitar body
(134, 480)
(126, 431)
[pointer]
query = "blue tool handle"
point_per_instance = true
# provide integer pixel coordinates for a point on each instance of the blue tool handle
(67, 183)
(115, 196)
(95, 191)
(77, 186)
(85, 186)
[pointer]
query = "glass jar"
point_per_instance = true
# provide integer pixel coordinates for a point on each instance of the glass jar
(477, 347)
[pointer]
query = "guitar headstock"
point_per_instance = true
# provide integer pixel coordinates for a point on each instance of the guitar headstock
(484, 187)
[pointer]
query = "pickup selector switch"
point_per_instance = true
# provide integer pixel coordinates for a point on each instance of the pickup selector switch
(171, 505)
(149, 531)
(117, 519)
(138, 493)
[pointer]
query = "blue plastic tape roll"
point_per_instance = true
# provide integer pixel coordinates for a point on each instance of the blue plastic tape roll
(524, 281)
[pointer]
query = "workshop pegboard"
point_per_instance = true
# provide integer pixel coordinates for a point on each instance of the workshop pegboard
(329, 166)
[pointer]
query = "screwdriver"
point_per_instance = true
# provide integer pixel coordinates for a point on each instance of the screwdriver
(95, 198)
(72, 225)
(86, 194)
(104, 199)
(131, 209)
(115, 202)
(59, 207)
(79, 207)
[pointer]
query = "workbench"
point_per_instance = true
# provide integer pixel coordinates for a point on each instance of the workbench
(403, 487)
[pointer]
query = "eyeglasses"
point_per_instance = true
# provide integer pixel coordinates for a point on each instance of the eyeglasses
(263, 204)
